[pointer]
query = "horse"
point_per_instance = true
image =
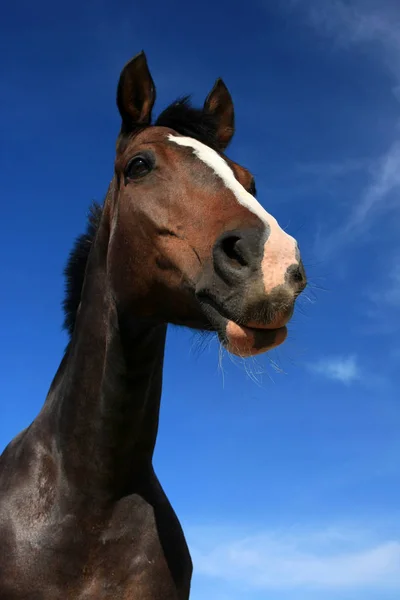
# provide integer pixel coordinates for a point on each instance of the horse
(179, 239)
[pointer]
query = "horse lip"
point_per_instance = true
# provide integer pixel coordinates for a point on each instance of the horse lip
(263, 327)
(279, 321)
(218, 317)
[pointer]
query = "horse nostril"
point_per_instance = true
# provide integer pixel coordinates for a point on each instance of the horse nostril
(297, 276)
(232, 248)
(237, 254)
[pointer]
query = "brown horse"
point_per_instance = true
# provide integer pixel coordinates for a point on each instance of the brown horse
(180, 239)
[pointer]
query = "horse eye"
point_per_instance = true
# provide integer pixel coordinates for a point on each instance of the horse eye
(252, 188)
(138, 167)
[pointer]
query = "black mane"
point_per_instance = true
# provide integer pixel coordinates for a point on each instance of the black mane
(184, 119)
(74, 271)
(189, 121)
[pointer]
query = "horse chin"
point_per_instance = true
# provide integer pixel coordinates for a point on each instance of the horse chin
(244, 340)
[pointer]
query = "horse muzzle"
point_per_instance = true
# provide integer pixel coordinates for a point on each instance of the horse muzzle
(249, 289)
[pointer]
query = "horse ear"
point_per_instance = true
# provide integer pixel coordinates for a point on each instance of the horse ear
(136, 93)
(219, 104)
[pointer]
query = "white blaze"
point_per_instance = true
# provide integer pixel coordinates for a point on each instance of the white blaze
(280, 247)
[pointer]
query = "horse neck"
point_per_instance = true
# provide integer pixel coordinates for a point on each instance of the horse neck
(103, 405)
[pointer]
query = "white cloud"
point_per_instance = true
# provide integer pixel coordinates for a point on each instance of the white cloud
(319, 559)
(338, 368)
(385, 181)
(391, 293)
(383, 301)
(372, 24)
(333, 170)
(382, 194)
(386, 294)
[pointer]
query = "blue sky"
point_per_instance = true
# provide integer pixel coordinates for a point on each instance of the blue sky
(284, 471)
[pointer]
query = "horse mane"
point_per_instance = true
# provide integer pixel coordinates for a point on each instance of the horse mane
(191, 122)
(75, 269)
(184, 119)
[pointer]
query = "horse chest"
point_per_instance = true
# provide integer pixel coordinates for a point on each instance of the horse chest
(125, 559)
(140, 559)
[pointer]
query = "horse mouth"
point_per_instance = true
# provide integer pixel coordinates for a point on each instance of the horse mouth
(243, 340)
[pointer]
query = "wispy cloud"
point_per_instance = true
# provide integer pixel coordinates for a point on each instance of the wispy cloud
(339, 368)
(387, 293)
(382, 194)
(390, 294)
(333, 170)
(385, 181)
(321, 559)
(374, 24)
(383, 302)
